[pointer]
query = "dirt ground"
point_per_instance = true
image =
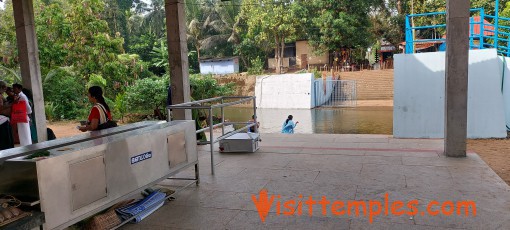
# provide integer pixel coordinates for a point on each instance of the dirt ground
(495, 152)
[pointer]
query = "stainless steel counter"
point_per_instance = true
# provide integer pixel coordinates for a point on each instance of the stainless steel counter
(60, 142)
(80, 179)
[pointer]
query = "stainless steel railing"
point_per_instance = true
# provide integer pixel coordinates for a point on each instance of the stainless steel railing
(214, 103)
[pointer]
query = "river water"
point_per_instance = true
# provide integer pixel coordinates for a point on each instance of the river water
(357, 120)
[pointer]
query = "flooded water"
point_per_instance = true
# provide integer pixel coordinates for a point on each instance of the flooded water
(358, 120)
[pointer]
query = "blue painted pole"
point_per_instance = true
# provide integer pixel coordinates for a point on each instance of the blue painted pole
(409, 37)
(471, 32)
(482, 27)
(496, 25)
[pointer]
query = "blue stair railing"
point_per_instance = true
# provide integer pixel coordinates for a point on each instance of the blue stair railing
(485, 31)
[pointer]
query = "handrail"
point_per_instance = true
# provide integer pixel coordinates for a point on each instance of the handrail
(221, 104)
(487, 35)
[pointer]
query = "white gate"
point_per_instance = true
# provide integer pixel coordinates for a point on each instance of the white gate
(335, 93)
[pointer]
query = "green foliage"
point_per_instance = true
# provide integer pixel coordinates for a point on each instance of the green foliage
(194, 66)
(10, 75)
(271, 23)
(96, 80)
(8, 49)
(334, 24)
(205, 86)
(146, 94)
(65, 95)
(49, 110)
(257, 66)
(121, 105)
(316, 73)
(160, 56)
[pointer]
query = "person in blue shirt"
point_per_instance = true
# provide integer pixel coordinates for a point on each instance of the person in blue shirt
(289, 125)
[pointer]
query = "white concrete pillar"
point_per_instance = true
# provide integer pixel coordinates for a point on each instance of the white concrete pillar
(178, 56)
(456, 85)
(29, 60)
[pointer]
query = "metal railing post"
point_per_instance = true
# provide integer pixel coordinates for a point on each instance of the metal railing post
(409, 37)
(471, 32)
(496, 26)
(210, 107)
(256, 128)
(482, 27)
(211, 140)
(222, 119)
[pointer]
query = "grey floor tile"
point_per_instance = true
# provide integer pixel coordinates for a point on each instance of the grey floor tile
(193, 196)
(484, 219)
(251, 220)
(228, 200)
(192, 217)
(386, 160)
(279, 174)
(232, 185)
(376, 225)
(340, 168)
(393, 153)
(337, 178)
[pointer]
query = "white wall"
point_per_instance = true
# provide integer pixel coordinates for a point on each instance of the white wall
(219, 67)
(505, 63)
(419, 84)
(286, 91)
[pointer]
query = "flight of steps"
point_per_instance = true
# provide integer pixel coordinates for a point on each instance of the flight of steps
(371, 84)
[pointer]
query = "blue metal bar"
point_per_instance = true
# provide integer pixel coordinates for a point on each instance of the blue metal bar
(482, 27)
(427, 14)
(496, 37)
(439, 13)
(507, 48)
(430, 40)
(428, 27)
(409, 37)
(471, 32)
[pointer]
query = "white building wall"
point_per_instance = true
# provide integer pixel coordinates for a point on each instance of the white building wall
(219, 67)
(505, 68)
(287, 91)
(419, 84)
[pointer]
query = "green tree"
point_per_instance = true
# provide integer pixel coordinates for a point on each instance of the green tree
(160, 57)
(332, 24)
(271, 22)
(8, 50)
(66, 91)
(205, 86)
(147, 94)
(155, 18)
(90, 45)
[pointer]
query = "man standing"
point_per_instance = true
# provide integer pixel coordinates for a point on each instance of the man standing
(24, 134)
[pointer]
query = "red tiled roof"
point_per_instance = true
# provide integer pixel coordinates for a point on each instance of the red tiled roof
(477, 26)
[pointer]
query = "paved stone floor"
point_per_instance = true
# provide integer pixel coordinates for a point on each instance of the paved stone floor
(341, 168)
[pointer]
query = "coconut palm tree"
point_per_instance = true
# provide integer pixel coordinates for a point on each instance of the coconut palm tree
(212, 23)
(154, 20)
